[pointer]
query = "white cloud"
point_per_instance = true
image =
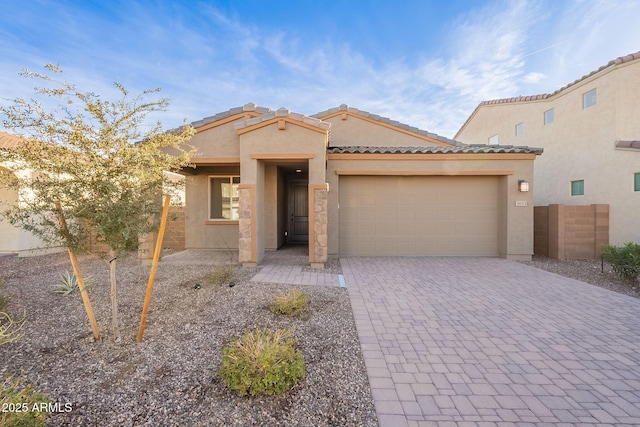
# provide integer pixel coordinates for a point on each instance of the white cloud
(533, 77)
(207, 61)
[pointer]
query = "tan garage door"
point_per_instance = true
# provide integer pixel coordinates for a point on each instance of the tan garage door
(418, 215)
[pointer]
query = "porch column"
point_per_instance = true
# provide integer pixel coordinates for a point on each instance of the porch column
(247, 224)
(318, 224)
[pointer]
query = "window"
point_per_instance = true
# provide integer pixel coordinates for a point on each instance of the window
(549, 116)
(519, 129)
(224, 198)
(493, 140)
(590, 98)
(636, 182)
(577, 188)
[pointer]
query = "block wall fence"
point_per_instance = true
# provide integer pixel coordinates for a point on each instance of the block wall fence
(570, 232)
(173, 237)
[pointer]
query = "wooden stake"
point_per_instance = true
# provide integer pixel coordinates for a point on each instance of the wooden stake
(76, 270)
(154, 267)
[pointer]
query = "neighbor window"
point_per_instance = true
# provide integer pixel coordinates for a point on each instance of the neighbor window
(590, 98)
(636, 182)
(493, 140)
(549, 116)
(223, 197)
(577, 188)
(519, 129)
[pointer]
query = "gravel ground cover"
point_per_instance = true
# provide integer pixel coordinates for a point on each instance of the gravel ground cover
(171, 378)
(587, 270)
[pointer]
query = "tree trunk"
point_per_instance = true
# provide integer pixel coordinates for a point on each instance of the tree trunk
(114, 299)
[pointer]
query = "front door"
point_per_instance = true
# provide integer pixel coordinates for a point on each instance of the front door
(298, 212)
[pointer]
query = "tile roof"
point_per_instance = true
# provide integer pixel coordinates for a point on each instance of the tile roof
(283, 112)
(233, 111)
(628, 145)
(8, 141)
(612, 63)
(386, 120)
(459, 149)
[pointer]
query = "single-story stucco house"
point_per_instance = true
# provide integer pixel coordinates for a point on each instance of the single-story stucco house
(350, 183)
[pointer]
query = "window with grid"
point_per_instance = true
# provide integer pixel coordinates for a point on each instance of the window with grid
(224, 200)
(577, 188)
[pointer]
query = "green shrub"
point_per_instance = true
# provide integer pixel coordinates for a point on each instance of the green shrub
(18, 402)
(625, 260)
(292, 303)
(9, 328)
(222, 274)
(262, 362)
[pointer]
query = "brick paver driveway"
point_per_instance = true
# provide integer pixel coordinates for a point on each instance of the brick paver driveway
(481, 341)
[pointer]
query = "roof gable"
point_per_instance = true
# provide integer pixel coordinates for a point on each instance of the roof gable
(344, 110)
(282, 116)
(249, 110)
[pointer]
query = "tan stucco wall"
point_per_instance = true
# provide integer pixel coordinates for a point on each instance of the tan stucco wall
(357, 131)
(579, 144)
(515, 223)
(199, 232)
(220, 141)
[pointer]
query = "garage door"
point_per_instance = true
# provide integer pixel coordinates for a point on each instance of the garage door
(418, 215)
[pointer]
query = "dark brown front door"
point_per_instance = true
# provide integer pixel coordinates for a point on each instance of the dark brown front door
(298, 211)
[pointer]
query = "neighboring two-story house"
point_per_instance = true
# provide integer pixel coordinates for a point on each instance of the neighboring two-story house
(590, 133)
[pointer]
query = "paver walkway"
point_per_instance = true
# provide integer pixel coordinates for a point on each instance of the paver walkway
(481, 341)
(290, 266)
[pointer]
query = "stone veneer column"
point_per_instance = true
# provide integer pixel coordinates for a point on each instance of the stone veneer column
(245, 242)
(320, 225)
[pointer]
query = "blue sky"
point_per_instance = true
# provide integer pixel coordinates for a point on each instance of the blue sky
(425, 63)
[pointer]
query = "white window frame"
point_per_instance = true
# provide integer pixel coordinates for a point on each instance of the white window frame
(519, 129)
(210, 179)
(549, 116)
(590, 98)
(493, 140)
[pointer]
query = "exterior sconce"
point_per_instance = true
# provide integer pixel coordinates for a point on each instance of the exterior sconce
(523, 186)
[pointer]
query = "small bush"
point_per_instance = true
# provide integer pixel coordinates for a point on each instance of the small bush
(4, 300)
(9, 328)
(222, 274)
(68, 284)
(292, 303)
(625, 260)
(262, 362)
(18, 401)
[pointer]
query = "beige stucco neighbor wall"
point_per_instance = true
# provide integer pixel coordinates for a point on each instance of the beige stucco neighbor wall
(515, 222)
(579, 144)
(14, 239)
(571, 232)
